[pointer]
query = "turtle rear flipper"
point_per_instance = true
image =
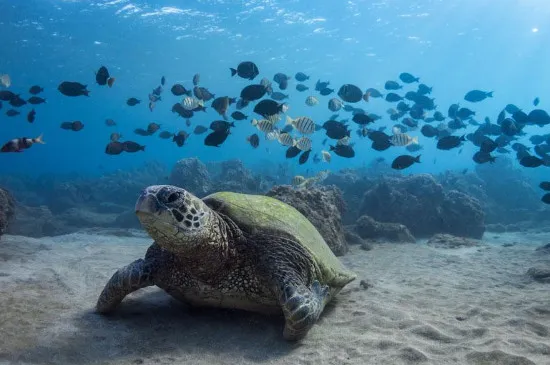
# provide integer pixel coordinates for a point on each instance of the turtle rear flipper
(302, 307)
(126, 280)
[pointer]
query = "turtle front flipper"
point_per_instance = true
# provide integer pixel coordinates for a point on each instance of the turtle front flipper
(126, 280)
(302, 307)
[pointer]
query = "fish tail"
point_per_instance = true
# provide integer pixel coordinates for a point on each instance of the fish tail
(39, 139)
(254, 122)
(111, 81)
(331, 148)
(490, 94)
(288, 120)
(415, 140)
(142, 148)
(417, 159)
(233, 71)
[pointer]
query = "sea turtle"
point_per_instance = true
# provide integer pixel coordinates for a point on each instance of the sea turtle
(232, 250)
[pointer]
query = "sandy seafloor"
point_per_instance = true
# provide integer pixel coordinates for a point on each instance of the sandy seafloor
(48, 289)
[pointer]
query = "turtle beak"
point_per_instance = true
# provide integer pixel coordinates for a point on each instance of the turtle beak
(148, 204)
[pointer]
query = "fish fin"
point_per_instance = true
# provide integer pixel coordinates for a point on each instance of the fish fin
(233, 71)
(111, 81)
(289, 120)
(396, 130)
(254, 122)
(39, 139)
(415, 140)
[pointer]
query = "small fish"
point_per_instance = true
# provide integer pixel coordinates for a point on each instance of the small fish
(545, 185)
(404, 161)
(301, 77)
(264, 125)
(110, 123)
(303, 124)
(254, 140)
(215, 139)
(200, 129)
(35, 100)
(196, 79)
(141, 132)
(130, 146)
(188, 122)
(346, 151)
(449, 142)
(536, 101)
(237, 115)
(153, 127)
(407, 78)
(102, 77)
(190, 103)
(221, 125)
(5, 80)
(476, 96)
(179, 90)
(301, 87)
(546, 199)
(246, 70)
(20, 144)
(166, 135)
(304, 157)
(72, 126)
(285, 139)
(531, 161)
(31, 115)
(402, 139)
(133, 101)
(114, 148)
(326, 156)
(311, 101)
(180, 138)
(304, 144)
(292, 152)
(162, 80)
(115, 137)
(279, 96)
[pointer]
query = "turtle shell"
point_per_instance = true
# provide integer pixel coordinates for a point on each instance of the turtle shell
(263, 214)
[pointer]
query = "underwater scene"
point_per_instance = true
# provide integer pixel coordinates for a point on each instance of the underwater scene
(275, 182)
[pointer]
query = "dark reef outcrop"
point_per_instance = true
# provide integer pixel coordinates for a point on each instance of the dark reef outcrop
(424, 207)
(323, 207)
(7, 210)
(367, 228)
(192, 175)
(449, 241)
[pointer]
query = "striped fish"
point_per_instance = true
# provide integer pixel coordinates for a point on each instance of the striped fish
(272, 135)
(264, 125)
(343, 141)
(402, 139)
(303, 144)
(326, 156)
(311, 101)
(190, 103)
(286, 139)
(303, 124)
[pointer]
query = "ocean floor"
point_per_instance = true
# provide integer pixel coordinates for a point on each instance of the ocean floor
(417, 305)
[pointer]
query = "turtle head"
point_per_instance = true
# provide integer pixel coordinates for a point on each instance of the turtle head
(176, 219)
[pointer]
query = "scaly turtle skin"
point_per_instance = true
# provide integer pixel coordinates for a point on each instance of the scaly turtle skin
(232, 250)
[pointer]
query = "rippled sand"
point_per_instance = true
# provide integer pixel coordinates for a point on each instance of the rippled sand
(425, 305)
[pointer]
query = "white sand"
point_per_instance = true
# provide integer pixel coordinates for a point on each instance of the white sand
(48, 288)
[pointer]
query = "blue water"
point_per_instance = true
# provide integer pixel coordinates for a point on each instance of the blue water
(454, 46)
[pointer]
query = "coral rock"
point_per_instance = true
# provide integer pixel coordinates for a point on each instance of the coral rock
(192, 175)
(7, 209)
(368, 228)
(450, 241)
(322, 206)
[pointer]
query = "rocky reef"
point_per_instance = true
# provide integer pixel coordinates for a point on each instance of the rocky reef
(7, 207)
(192, 175)
(424, 207)
(367, 228)
(322, 206)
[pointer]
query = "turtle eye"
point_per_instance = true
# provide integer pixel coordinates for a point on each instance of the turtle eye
(173, 197)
